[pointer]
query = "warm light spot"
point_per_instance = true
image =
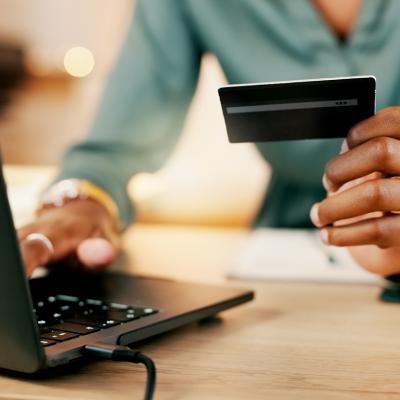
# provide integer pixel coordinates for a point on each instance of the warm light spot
(79, 62)
(144, 186)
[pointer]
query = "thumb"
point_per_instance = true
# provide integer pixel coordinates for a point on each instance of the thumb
(96, 252)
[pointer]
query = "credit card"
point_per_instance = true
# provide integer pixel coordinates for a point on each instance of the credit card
(293, 110)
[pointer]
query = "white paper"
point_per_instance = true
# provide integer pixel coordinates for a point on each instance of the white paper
(295, 255)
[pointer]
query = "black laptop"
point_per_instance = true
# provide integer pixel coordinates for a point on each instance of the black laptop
(46, 322)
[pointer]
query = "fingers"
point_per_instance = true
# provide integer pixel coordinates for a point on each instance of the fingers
(100, 250)
(384, 123)
(34, 253)
(79, 228)
(362, 198)
(93, 251)
(96, 253)
(24, 231)
(383, 232)
(373, 145)
(378, 154)
(374, 195)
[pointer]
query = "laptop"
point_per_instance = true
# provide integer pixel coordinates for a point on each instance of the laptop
(46, 322)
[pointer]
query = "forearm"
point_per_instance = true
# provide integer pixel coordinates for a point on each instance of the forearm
(143, 106)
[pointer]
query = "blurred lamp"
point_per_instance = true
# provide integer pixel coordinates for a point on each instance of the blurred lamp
(79, 61)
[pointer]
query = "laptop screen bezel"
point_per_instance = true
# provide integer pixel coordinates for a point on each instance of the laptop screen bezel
(20, 348)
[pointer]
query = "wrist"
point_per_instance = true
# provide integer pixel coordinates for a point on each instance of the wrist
(76, 190)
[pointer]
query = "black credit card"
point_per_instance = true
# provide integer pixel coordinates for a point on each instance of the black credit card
(307, 109)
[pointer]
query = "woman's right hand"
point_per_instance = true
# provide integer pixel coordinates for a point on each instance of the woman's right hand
(81, 228)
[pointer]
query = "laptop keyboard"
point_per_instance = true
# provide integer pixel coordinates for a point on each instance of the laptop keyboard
(64, 317)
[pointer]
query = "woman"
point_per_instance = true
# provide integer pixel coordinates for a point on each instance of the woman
(148, 94)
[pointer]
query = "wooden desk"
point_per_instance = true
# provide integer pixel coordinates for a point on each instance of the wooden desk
(295, 341)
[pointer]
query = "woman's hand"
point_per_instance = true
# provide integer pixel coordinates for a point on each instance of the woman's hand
(81, 228)
(364, 194)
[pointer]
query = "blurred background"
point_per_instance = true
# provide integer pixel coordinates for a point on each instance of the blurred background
(54, 59)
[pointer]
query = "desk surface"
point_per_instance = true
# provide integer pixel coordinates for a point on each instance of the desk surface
(295, 341)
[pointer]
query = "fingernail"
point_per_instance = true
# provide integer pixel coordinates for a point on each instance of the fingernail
(314, 215)
(323, 234)
(96, 252)
(327, 184)
(344, 147)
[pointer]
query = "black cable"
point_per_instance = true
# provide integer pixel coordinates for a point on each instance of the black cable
(123, 353)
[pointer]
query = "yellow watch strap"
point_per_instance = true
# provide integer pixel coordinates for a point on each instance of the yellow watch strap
(94, 192)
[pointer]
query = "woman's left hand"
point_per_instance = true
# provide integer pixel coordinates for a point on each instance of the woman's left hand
(363, 184)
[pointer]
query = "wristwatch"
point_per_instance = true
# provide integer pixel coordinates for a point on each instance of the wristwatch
(68, 190)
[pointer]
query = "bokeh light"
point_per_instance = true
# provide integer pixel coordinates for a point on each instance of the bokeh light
(79, 61)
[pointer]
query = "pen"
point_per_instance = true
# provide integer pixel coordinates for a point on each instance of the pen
(323, 249)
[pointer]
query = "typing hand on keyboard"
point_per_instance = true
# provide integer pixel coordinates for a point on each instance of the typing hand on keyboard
(80, 228)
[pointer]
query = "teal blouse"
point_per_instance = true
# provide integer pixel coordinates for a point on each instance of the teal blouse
(150, 88)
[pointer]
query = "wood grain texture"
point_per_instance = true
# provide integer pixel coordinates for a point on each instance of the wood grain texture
(295, 341)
